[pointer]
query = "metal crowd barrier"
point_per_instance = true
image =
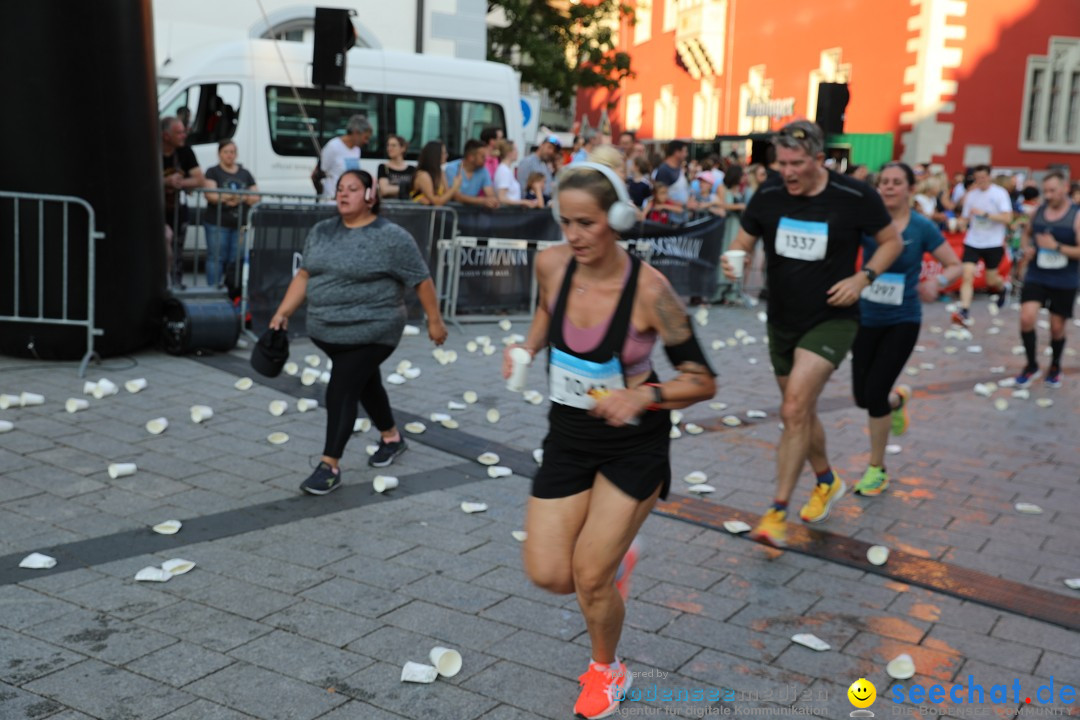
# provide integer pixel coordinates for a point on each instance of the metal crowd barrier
(47, 209)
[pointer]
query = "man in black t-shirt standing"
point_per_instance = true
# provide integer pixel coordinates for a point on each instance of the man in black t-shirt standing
(812, 221)
(181, 172)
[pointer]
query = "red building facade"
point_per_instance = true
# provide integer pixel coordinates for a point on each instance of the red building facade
(953, 82)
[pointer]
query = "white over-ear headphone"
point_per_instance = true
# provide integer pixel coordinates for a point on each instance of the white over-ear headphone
(622, 215)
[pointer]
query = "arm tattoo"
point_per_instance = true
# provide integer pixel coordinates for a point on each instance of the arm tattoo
(674, 324)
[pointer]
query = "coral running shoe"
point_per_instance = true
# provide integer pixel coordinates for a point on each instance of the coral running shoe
(874, 481)
(626, 568)
(602, 689)
(962, 317)
(900, 417)
(822, 499)
(771, 529)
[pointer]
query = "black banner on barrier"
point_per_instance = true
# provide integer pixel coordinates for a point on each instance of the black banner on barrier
(688, 255)
(278, 233)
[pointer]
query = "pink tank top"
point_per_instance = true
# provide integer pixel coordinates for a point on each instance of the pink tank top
(636, 350)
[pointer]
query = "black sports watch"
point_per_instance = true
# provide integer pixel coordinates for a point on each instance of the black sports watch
(870, 274)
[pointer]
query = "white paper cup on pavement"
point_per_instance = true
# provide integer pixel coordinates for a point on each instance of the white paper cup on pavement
(119, 470)
(278, 407)
(418, 673)
(74, 405)
(157, 426)
(134, 386)
(27, 399)
(88, 387)
(737, 258)
(104, 388)
(520, 358)
(200, 413)
(305, 404)
(446, 660)
(309, 376)
(6, 426)
(382, 483)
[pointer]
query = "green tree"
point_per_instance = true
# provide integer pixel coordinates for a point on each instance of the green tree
(561, 46)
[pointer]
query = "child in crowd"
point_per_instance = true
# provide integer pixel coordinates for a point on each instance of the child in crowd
(534, 188)
(660, 205)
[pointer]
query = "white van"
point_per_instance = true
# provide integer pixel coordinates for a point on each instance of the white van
(242, 91)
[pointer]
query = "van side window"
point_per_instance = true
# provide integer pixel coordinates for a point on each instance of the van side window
(290, 135)
(420, 120)
(213, 111)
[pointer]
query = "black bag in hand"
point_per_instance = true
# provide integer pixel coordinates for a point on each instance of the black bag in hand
(270, 353)
(317, 177)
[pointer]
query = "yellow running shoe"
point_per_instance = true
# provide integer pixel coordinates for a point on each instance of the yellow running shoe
(900, 417)
(822, 499)
(874, 481)
(771, 529)
(602, 689)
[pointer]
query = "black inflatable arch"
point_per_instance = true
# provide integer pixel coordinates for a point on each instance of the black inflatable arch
(80, 119)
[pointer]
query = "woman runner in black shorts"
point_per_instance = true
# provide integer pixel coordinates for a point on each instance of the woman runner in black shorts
(606, 455)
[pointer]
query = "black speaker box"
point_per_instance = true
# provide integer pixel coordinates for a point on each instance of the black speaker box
(832, 101)
(334, 35)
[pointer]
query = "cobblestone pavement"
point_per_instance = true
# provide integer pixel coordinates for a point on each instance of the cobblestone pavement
(307, 607)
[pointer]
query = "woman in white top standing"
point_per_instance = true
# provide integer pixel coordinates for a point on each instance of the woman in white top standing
(507, 187)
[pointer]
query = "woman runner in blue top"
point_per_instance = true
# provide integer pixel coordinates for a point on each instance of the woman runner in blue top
(890, 315)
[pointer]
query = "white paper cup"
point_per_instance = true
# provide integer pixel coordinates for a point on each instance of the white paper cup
(446, 660)
(134, 386)
(88, 387)
(418, 673)
(737, 258)
(309, 376)
(278, 407)
(157, 426)
(119, 470)
(305, 404)
(9, 401)
(6, 426)
(27, 399)
(199, 413)
(74, 405)
(291, 368)
(521, 359)
(104, 388)
(382, 483)
(953, 224)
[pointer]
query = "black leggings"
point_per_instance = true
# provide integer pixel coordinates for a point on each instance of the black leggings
(879, 354)
(354, 378)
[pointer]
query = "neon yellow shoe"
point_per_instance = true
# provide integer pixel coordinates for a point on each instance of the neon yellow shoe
(900, 417)
(822, 500)
(874, 481)
(771, 529)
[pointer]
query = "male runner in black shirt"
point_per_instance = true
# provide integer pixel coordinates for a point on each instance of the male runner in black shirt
(812, 221)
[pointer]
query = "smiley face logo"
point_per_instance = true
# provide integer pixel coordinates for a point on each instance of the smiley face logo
(862, 693)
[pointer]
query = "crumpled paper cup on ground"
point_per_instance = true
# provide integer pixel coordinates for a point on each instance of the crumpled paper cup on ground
(418, 673)
(38, 561)
(134, 386)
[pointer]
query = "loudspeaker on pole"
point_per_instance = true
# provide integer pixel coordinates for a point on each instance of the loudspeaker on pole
(832, 101)
(334, 35)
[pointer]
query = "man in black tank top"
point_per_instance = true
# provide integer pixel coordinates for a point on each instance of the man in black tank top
(1050, 240)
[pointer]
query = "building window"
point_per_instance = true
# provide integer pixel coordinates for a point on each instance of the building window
(633, 112)
(1071, 119)
(671, 15)
(642, 21)
(1052, 99)
(665, 114)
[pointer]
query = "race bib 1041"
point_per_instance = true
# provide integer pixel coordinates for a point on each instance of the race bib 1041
(887, 289)
(578, 383)
(1050, 259)
(802, 239)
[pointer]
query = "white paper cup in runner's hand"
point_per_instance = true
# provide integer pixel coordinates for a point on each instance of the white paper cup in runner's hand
(74, 405)
(736, 258)
(119, 470)
(520, 358)
(382, 483)
(446, 660)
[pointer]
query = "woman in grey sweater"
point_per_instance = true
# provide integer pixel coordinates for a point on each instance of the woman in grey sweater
(354, 274)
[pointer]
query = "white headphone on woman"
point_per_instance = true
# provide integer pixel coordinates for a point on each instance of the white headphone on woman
(622, 215)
